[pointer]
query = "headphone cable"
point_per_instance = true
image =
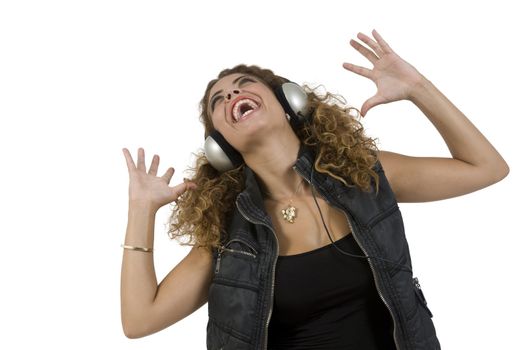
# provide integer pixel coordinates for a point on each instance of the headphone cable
(405, 267)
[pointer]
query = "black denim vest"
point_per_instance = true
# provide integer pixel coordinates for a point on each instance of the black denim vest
(240, 297)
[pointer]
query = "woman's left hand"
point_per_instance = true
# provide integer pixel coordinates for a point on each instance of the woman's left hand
(395, 78)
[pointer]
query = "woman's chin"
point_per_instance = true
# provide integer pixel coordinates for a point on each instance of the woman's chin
(253, 124)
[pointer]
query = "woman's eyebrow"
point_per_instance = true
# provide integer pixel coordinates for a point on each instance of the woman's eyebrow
(234, 81)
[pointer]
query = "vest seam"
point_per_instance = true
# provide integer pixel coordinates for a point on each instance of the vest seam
(395, 298)
(390, 291)
(234, 283)
(413, 313)
(260, 307)
(391, 210)
(402, 315)
(249, 206)
(231, 331)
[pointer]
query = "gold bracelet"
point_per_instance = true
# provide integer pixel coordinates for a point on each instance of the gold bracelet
(140, 249)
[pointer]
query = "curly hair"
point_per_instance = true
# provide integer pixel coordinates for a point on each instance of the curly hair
(343, 152)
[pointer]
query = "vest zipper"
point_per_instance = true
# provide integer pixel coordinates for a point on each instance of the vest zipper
(273, 273)
(219, 252)
(275, 261)
(375, 280)
(241, 251)
(371, 267)
(420, 295)
(223, 248)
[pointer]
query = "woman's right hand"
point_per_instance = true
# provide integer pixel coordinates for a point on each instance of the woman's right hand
(146, 187)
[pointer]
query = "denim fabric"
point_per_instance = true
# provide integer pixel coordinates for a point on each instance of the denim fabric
(241, 293)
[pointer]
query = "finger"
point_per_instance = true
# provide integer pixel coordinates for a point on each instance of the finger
(181, 188)
(371, 102)
(168, 174)
(140, 160)
(386, 48)
(365, 72)
(129, 160)
(191, 185)
(377, 49)
(363, 50)
(154, 165)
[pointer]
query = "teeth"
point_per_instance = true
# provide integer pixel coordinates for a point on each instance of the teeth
(237, 108)
(246, 113)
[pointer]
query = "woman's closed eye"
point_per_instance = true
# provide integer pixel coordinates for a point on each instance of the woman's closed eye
(217, 98)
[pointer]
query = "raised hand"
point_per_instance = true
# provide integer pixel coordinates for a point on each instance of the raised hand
(395, 78)
(147, 187)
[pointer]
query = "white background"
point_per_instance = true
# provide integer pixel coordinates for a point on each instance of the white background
(80, 80)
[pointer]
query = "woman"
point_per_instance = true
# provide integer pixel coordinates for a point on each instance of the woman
(264, 229)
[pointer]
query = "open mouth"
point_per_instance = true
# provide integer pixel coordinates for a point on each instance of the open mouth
(243, 108)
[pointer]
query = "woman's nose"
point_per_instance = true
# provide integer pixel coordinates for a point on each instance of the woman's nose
(229, 95)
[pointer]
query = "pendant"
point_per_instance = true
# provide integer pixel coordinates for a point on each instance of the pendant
(289, 213)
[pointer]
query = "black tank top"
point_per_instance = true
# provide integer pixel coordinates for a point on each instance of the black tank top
(326, 300)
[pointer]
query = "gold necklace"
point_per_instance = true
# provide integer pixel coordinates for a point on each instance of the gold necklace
(290, 212)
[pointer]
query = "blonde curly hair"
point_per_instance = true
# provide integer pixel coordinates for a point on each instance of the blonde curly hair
(344, 152)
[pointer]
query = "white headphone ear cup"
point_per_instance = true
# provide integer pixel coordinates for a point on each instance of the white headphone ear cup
(294, 100)
(220, 154)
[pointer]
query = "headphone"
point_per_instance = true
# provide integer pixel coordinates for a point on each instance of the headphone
(294, 100)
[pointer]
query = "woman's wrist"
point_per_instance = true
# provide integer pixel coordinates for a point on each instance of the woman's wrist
(419, 89)
(138, 206)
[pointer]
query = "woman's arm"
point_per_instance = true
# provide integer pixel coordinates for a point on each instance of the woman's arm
(476, 164)
(465, 142)
(145, 307)
(138, 280)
